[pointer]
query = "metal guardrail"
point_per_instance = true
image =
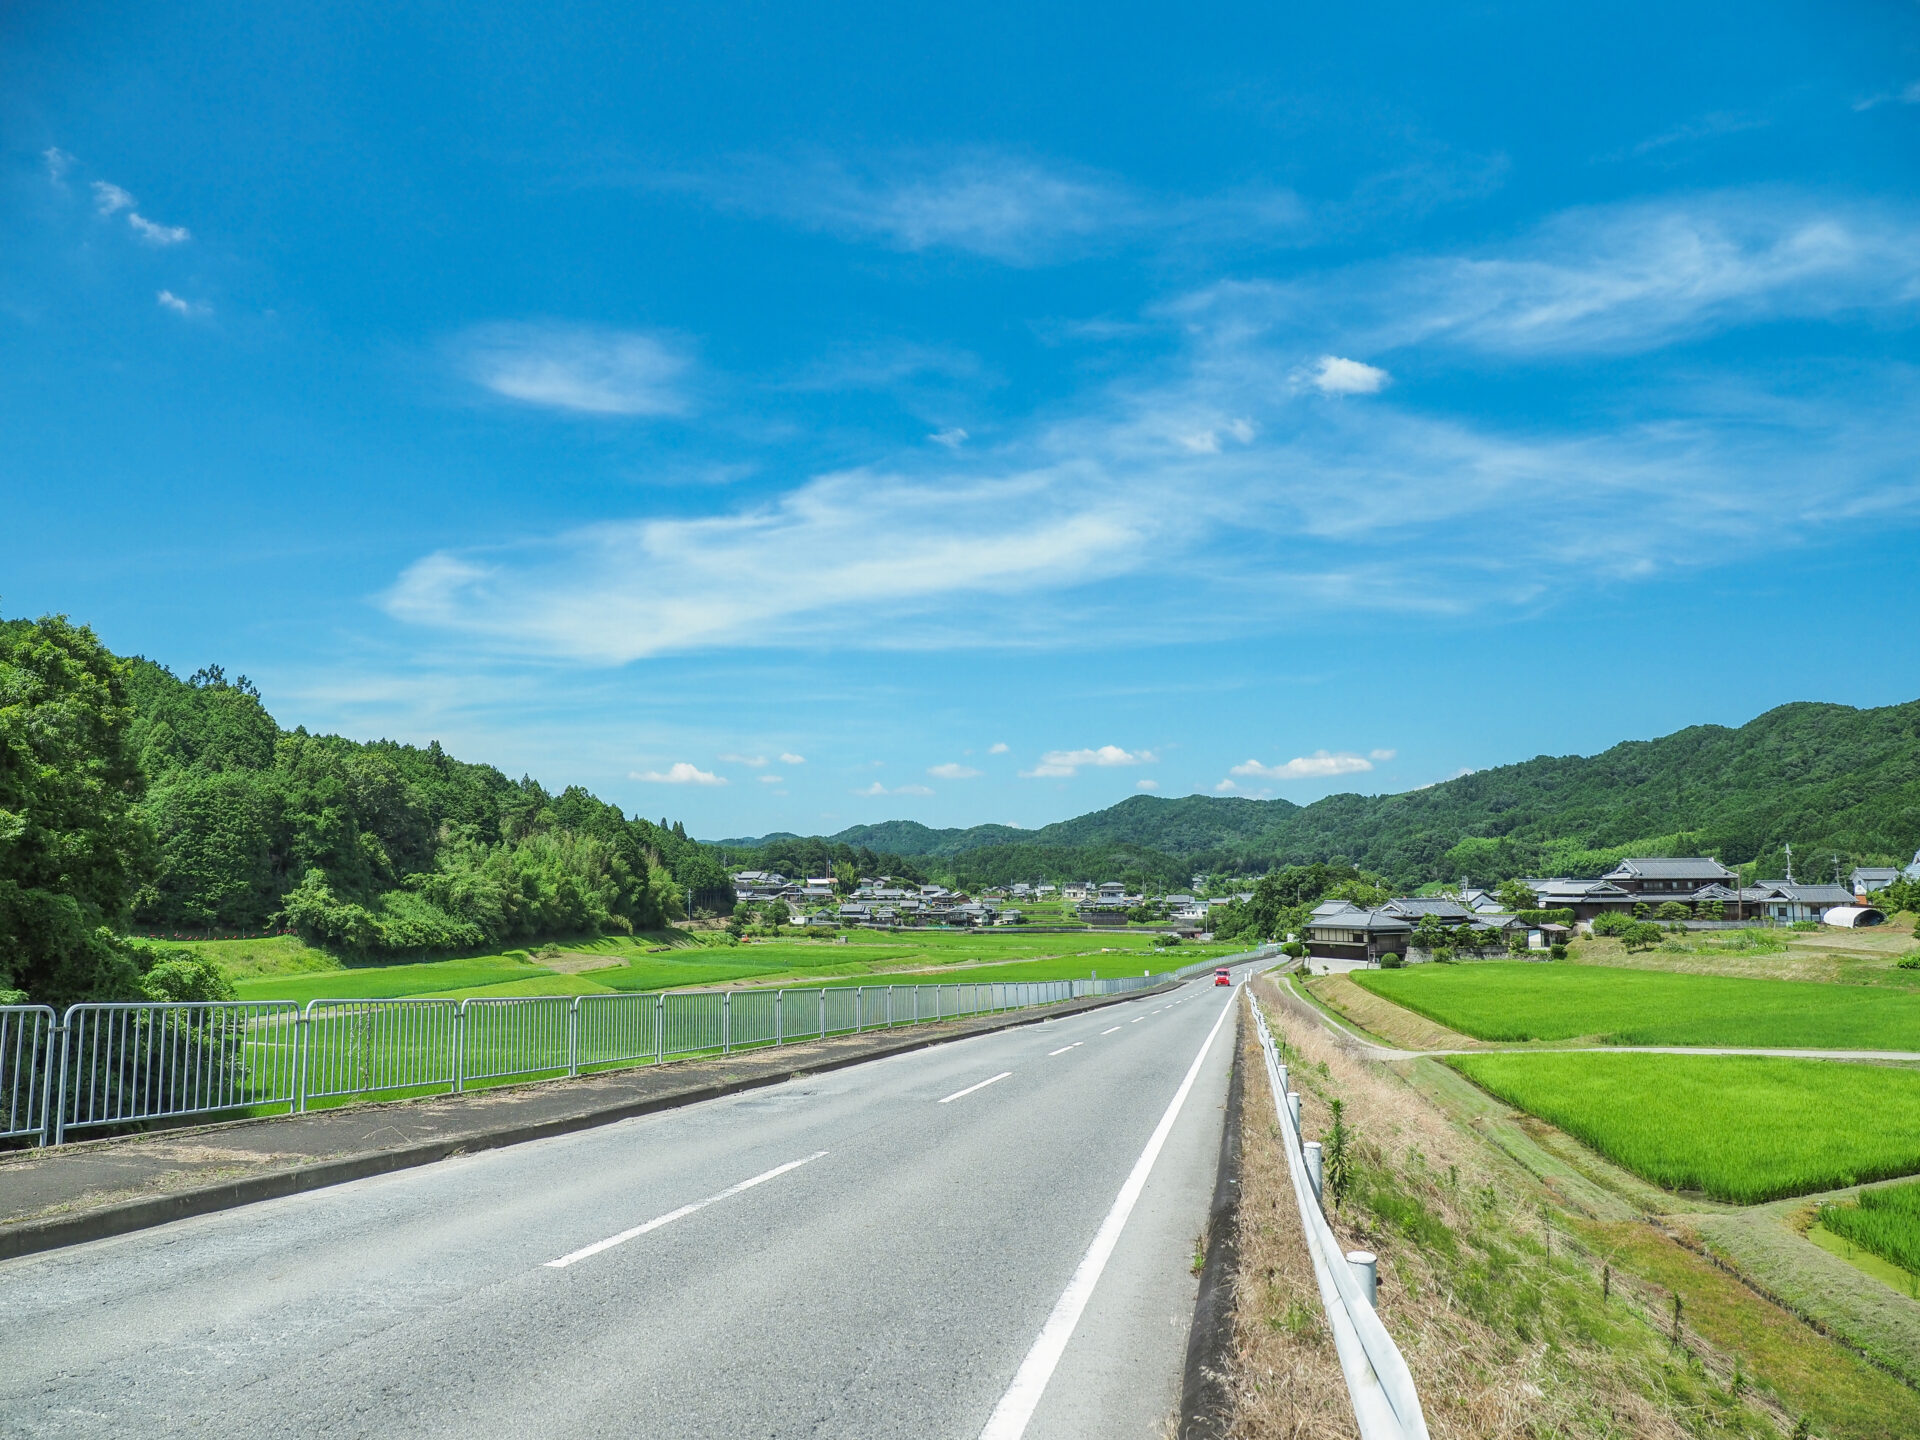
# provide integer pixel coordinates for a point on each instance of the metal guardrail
(1385, 1403)
(102, 1065)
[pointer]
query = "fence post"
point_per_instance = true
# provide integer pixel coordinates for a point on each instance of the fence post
(1310, 1151)
(573, 1036)
(302, 1042)
(59, 1096)
(859, 1012)
(659, 1026)
(889, 1007)
(726, 1022)
(823, 1012)
(779, 1020)
(459, 1048)
(1366, 1270)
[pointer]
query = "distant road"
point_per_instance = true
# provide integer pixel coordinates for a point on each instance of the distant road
(896, 1249)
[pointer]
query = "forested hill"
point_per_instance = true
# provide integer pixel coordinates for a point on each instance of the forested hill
(1830, 779)
(132, 798)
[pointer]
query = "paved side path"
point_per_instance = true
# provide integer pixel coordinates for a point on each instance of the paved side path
(879, 1251)
(45, 1193)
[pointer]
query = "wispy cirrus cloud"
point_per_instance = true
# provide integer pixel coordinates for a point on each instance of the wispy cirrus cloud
(1012, 208)
(1621, 278)
(952, 770)
(581, 369)
(1220, 444)
(752, 762)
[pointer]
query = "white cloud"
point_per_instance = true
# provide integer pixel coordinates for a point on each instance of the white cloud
(787, 758)
(1320, 765)
(997, 748)
(1334, 376)
(952, 771)
(59, 162)
(1006, 208)
(952, 438)
(1146, 784)
(1631, 277)
(156, 234)
(876, 788)
(1707, 462)
(754, 761)
(1906, 95)
(1382, 755)
(1057, 763)
(575, 368)
(679, 773)
(167, 300)
(788, 568)
(772, 780)
(109, 199)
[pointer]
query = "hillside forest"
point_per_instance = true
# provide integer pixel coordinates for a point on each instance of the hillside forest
(133, 801)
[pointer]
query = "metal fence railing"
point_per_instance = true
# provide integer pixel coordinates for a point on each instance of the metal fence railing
(25, 1053)
(1385, 1403)
(101, 1065)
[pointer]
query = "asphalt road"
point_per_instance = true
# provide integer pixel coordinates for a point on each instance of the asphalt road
(938, 1244)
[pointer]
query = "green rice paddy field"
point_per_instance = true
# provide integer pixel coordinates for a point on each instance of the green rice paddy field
(1741, 1129)
(281, 968)
(1885, 1222)
(1520, 1002)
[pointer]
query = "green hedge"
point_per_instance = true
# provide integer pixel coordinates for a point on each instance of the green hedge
(1546, 917)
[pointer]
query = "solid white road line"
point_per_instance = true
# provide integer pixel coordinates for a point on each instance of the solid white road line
(958, 1094)
(1064, 1048)
(1108, 1032)
(681, 1213)
(1016, 1407)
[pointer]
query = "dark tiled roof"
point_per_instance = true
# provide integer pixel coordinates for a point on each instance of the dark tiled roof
(1681, 869)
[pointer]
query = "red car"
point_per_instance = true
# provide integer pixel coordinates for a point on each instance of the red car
(1223, 976)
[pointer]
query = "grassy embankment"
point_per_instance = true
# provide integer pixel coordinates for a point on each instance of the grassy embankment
(1528, 1299)
(281, 968)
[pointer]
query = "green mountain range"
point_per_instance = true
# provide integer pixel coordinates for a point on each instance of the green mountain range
(1834, 781)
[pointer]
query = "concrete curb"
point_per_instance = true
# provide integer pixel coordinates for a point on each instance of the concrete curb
(36, 1236)
(1206, 1395)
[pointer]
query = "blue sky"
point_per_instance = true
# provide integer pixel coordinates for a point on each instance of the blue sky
(783, 417)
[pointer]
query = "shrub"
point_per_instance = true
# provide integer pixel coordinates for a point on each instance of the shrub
(1641, 935)
(1909, 961)
(1391, 961)
(1558, 952)
(1546, 917)
(1805, 925)
(187, 977)
(1673, 910)
(1613, 922)
(1294, 948)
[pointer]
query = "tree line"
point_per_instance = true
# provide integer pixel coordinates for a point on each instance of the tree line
(133, 800)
